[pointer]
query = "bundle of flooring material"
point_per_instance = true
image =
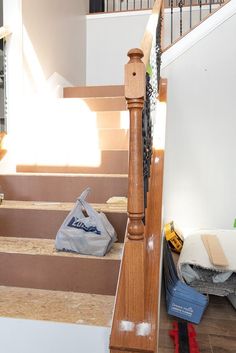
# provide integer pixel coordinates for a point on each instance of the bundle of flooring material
(195, 265)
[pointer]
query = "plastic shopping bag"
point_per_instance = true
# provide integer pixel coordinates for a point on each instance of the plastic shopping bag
(88, 234)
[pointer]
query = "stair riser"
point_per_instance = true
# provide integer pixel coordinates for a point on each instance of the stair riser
(59, 273)
(61, 188)
(116, 139)
(45, 224)
(112, 162)
(112, 120)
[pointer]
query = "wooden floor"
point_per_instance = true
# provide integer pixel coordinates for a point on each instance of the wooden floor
(216, 332)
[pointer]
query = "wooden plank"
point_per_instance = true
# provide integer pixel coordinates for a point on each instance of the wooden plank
(214, 250)
(163, 90)
(94, 91)
(61, 187)
(64, 273)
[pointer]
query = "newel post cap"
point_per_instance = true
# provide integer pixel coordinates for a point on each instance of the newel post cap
(135, 75)
(135, 54)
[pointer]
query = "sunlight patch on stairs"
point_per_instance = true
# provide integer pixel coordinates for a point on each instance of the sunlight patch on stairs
(57, 132)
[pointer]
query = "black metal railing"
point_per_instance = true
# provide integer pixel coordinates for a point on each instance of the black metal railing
(133, 5)
(119, 5)
(185, 14)
(3, 99)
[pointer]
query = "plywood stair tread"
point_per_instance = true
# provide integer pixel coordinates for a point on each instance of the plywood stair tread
(95, 91)
(57, 306)
(61, 206)
(71, 175)
(34, 246)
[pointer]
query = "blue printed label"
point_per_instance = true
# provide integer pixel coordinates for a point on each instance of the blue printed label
(76, 223)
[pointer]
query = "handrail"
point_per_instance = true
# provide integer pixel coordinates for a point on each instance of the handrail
(4, 32)
(146, 43)
(135, 320)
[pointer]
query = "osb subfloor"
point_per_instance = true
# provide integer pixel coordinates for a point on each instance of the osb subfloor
(62, 206)
(68, 307)
(216, 332)
(34, 246)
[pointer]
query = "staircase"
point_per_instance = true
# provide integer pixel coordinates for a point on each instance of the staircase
(48, 289)
(36, 281)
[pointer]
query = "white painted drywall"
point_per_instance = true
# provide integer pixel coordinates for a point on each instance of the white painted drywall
(50, 337)
(1, 12)
(200, 172)
(55, 31)
(110, 36)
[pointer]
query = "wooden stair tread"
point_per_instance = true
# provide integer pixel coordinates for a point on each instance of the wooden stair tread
(95, 91)
(61, 206)
(57, 306)
(34, 246)
(69, 175)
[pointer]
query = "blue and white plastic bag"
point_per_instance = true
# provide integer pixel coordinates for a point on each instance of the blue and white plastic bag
(87, 234)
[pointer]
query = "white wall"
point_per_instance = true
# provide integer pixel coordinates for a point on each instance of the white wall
(110, 36)
(55, 33)
(27, 336)
(200, 173)
(1, 12)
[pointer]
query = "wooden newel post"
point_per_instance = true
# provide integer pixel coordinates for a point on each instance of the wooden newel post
(134, 94)
(134, 257)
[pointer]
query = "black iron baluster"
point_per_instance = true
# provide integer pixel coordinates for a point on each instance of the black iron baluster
(147, 138)
(147, 122)
(210, 6)
(171, 20)
(127, 5)
(181, 3)
(200, 9)
(141, 4)
(114, 6)
(158, 49)
(120, 4)
(190, 13)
